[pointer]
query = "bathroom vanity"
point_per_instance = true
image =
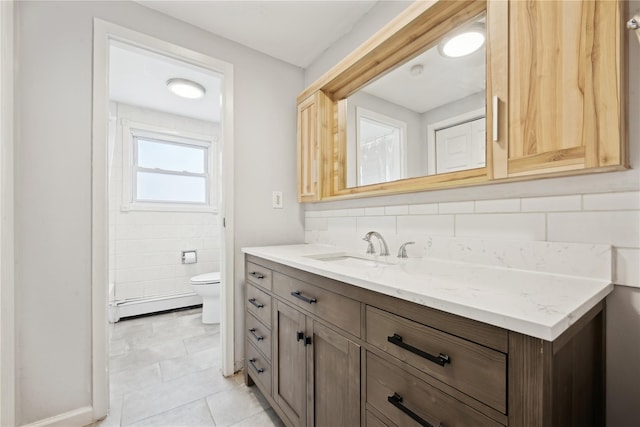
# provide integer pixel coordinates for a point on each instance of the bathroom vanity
(338, 338)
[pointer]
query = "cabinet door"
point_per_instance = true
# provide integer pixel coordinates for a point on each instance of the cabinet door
(313, 127)
(290, 363)
(334, 388)
(565, 87)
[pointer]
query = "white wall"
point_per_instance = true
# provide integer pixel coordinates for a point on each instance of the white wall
(599, 208)
(145, 248)
(53, 182)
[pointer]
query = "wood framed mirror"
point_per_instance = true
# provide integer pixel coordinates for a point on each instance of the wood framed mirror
(506, 124)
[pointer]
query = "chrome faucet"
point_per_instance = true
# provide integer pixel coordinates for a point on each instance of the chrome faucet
(384, 249)
(402, 252)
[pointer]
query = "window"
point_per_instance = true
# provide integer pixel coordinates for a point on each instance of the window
(168, 171)
(381, 148)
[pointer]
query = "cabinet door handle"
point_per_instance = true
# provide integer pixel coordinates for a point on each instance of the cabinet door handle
(307, 341)
(253, 301)
(396, 400)
(257, 337)
(440, 359)
(494, 113)
(257, 275)
(298, 295)
(253, 364)
(299, 336)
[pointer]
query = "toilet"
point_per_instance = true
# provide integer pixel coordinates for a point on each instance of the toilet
(208, 287)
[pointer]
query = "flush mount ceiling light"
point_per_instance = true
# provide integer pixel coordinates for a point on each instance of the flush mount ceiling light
(463, 42)
(186, 88)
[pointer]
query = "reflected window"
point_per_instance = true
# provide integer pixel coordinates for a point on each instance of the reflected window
(381, 148)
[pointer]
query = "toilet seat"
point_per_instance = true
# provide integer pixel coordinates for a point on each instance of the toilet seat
(206, 278)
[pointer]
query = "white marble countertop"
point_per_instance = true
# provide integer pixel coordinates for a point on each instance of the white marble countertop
(538, 303)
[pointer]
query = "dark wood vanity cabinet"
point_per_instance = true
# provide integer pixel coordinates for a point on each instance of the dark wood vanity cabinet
(326, 353)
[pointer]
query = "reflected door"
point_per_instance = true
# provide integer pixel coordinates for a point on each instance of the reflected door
(461, 147)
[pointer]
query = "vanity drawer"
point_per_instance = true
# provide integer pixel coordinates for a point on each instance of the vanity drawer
(404, 399)
(259, 368)
(259, 275)
(259, 304)
(259, 335)
(471, 368)
(373, 421)
(331, 307)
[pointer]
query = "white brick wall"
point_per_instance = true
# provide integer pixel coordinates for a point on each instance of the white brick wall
(145, 248)
(611, 218)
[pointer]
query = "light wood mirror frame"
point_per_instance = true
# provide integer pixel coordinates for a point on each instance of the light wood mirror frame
(420, 27)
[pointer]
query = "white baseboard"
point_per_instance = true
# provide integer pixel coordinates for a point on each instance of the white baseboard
(76, 418)
(135, 307)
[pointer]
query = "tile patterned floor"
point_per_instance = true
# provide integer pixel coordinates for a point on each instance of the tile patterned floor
(165, 372)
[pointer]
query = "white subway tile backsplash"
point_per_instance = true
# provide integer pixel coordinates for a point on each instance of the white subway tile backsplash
(627, 267)
(497, 206)
(425, 225)
(618, 228)
(396, 210)
(552, 204)
(342, 225)
(340, 212)
(311, 214)
(374, 211)
(611, 218)
(515, 226)
(319, 224)
(455, 207)
(381, 224)
(612, 201)
(423, 209)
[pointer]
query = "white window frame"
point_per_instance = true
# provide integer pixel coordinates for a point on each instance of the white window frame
(133, 130)
(384, 119)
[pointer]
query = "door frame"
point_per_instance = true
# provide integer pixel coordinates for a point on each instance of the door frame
(7, 286)
(103, 32)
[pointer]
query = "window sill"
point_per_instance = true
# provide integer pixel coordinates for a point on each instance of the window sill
(162, 207)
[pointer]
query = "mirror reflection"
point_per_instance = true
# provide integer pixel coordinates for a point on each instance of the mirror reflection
(425, 117)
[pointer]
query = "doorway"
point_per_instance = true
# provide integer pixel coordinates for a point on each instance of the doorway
(212, 182)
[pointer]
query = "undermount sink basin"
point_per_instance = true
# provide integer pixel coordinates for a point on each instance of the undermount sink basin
(352, 260)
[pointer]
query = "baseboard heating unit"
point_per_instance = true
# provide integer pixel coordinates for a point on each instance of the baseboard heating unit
(145, 305)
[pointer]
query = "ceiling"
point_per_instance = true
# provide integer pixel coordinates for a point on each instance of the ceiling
(293, 31)
(139, 77)
(442, 81)
(296, 32)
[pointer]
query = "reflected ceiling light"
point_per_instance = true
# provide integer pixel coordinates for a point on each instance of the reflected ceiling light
(186, 88)
(464, 42)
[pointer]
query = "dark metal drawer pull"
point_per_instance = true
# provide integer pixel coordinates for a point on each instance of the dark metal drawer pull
(257, 275)
(257, 337)
(440, 359)
(300, 337)
(303, 298)
(253, 301)
(253, 363)
(396, 400)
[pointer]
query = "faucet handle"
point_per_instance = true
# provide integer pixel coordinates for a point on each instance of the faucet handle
(402, 252)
